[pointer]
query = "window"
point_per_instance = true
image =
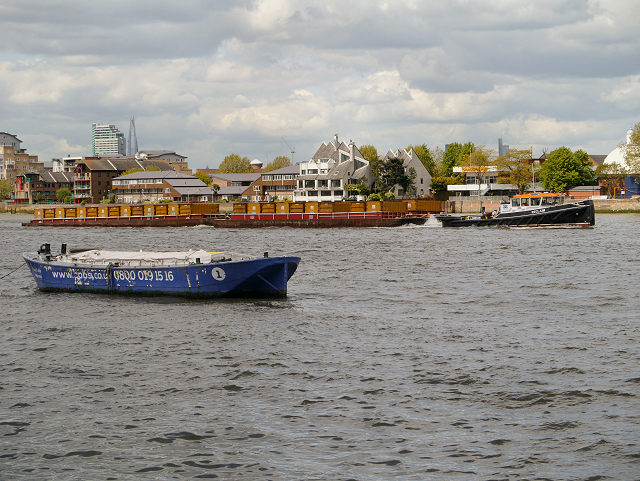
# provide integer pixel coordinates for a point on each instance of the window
(325, 193)
(303, 172)
(335, 183)
(313, 171)
(323, 183)
(313, 193)
(256, 188)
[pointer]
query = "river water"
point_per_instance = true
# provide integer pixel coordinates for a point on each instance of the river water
(407, 353)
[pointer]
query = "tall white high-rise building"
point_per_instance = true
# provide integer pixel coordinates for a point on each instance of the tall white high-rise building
(108, 140)
(502, 148)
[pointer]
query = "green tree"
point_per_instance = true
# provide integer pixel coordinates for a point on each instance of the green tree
(393, 172)
(62, 194)
(388, 196)
(407, 183)
(234, 164)
(478, 162)
(440, 183)
(514, 168)
(5, 188)
(437, 154)
(611, 176)
(350, 189)
(277, 163)
(203, 177)
(631, 151)
(370, 153)
(215, 188)
(455, 155)
(424, 154)
(564, 169)
(362, 187)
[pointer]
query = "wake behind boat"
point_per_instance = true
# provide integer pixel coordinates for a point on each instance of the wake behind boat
(198, 274)
(543, 209)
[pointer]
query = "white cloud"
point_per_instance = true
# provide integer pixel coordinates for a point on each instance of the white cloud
(210, 78)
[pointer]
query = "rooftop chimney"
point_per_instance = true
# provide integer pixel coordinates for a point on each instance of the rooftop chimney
(335, 141)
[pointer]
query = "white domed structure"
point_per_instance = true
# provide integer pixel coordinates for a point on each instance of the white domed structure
(631, 178)
(256, 165)
(617, 156)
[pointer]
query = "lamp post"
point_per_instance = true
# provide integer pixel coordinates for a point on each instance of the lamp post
(535, 167)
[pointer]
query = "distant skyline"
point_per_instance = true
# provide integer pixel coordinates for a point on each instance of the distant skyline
(207, 79)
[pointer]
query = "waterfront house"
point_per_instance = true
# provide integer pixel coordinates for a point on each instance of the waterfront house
(152, 185)
(332, 167)
(34, 187)
(233, 186)
(178, 162)
(410, 160)
(15, 161)
(280, 183)
(92, 177)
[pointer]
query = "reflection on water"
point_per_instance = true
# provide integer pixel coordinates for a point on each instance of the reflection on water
(412, 353)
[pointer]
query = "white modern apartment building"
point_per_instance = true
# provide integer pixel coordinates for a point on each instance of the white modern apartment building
(333, 166)
(107, 140)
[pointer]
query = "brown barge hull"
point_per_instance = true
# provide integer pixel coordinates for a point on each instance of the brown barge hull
(216, 221)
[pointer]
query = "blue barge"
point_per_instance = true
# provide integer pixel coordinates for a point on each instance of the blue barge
(196, 274)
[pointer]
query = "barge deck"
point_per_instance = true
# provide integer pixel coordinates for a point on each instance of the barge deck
(234, 221)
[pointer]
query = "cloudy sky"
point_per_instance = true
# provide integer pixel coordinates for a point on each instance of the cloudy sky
(210, 78)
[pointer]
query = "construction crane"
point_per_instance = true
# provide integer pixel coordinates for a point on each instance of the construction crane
(293, 150)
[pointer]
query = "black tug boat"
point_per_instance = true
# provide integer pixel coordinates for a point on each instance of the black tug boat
(530, 210)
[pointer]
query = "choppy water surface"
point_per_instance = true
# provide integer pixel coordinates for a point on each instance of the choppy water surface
(408, 353)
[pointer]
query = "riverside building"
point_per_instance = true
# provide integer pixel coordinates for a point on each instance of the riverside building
(107, 140)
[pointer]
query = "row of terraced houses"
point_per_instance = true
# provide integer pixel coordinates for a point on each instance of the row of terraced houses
(323, 178)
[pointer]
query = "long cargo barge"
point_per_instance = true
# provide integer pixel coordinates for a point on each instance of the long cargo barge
(381, 219)
(244, 215)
